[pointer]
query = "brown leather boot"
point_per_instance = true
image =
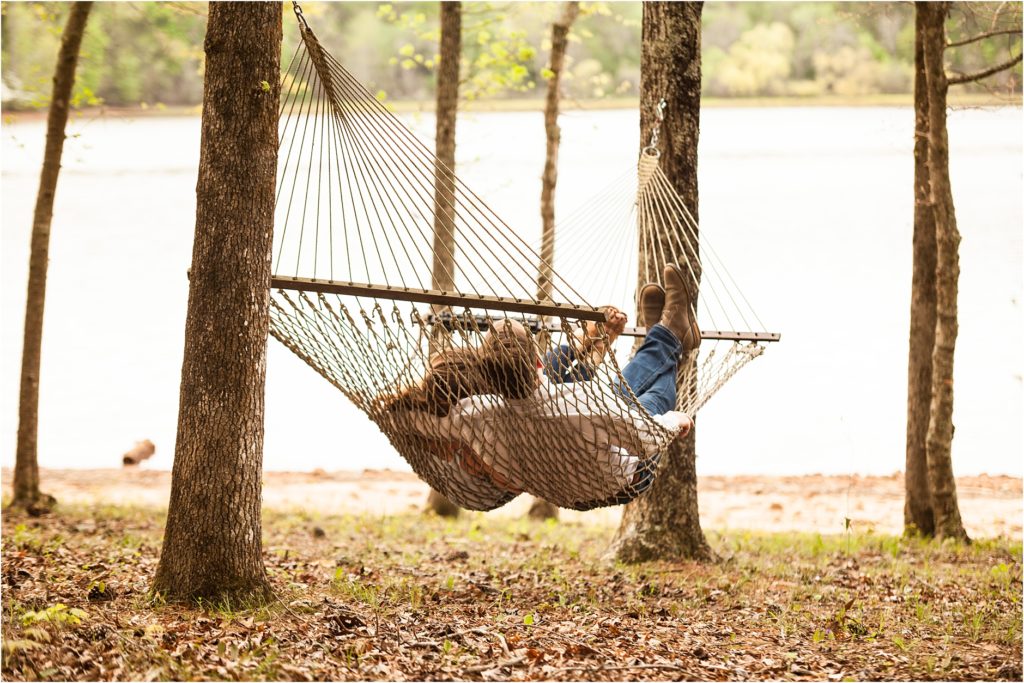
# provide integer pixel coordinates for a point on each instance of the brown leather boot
(652, 301)
(679, 314)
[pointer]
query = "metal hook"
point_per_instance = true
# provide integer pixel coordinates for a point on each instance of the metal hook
(659, 113)
(299, 15)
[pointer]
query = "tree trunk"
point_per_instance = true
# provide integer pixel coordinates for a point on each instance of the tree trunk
(443, 270)
(559, 42)
(212, 546)
(917, 510)
(947, 272)
(664, 523)
(439, 504)
(26, 468)
(542, 509)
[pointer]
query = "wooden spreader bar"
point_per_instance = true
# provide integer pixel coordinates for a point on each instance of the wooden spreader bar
(433, 296)
(728, 335)
(481, 322)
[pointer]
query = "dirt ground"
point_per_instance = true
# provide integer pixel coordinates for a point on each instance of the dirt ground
(368, 588)
(490, 598)
(991, 506)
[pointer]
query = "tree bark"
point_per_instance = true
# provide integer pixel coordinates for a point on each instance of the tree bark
(664, 523)
(212, 547)
(26, 469)
(940, 426)
(443, 269)
(559, 43)
(917, 510)
(439, 504)
(542, 509)
(443, 272)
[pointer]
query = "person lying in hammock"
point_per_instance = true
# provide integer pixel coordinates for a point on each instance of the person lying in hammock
(560, 432)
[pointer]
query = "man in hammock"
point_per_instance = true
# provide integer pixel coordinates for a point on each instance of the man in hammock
(562, 433)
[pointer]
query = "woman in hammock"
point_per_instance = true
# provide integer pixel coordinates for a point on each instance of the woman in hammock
(559, 432)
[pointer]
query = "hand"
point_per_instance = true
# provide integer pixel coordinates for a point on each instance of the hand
(614, 326)
(684, 422)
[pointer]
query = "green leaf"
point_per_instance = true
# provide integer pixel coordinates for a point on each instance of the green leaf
(528, 619)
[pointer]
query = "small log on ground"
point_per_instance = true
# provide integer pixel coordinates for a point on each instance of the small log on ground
(143, 450)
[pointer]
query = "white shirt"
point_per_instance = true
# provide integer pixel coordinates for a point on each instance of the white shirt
(568, 443)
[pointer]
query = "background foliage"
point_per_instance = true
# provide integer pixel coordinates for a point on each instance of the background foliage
(150, 54)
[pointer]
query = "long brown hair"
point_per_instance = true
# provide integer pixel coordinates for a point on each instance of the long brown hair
(505, 364)
(510, 359)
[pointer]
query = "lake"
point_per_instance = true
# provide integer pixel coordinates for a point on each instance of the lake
(810, 208)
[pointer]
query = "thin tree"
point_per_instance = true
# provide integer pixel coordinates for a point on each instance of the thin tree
(443, 269)
(917, 509)
(212, 547)
(539, 508)
(665, 522)
(26, 469)
(931, 501)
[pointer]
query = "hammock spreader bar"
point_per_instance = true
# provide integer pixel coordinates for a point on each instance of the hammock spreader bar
(536, 325)
(436, 297)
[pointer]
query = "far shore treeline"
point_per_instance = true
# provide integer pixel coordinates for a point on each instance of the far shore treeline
(149, 54)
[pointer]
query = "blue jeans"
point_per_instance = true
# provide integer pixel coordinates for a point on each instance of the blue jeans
(650, 375)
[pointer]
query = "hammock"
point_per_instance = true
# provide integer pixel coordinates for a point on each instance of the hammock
(398, 285)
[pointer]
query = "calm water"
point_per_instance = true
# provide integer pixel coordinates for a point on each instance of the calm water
(810, 208)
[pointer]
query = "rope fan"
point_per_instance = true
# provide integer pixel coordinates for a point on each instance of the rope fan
(448, 362)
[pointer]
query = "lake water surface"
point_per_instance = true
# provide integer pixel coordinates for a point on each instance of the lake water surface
(811, 208)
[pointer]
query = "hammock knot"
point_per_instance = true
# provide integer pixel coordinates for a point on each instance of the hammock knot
(646, 167)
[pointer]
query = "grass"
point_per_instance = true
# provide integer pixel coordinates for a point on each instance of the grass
(366, 597)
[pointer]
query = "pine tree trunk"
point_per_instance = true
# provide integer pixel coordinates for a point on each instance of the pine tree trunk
(212, 545)
(539, 508)
(26, 468)
(940, 425)
(664, 523)
(443, 271)
(917, 510)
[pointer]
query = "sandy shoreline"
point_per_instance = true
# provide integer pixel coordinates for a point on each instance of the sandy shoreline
(990, 505)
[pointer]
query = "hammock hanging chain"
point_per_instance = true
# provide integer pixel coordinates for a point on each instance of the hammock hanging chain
(652, 146)
(299, 15)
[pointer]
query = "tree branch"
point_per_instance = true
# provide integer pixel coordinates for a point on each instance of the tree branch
(982, 36)
(995, 15)
(968, 78)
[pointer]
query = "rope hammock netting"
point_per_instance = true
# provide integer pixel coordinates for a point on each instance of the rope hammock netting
(399, 285)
